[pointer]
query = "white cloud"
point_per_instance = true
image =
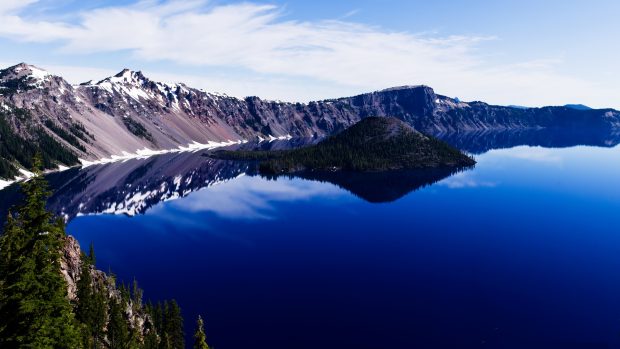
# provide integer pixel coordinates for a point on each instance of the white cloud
(465, 180)
(301, 60)
(254, 197)
(527, 153)
(9, 6)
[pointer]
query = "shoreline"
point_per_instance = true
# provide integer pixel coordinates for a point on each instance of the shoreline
(145, 153)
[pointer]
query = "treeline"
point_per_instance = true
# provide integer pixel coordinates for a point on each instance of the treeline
(15, 150)
(67, 136)
(138, 129)
(36, 309)
(373, 144)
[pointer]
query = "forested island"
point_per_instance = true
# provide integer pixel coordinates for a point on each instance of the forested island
(373, 144)
(52, 296)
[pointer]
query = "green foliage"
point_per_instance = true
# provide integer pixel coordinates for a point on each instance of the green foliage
(200, 338)
(15, 150)
(168, 324)
(34, 309)
(137, 129)
(174, 325)
(67, 136)
(373, 144)
(78, 130)
(91, 307)
(118, 329)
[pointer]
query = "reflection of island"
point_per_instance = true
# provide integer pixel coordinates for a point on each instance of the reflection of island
(478, 142)
(134, 186)
(378, 187)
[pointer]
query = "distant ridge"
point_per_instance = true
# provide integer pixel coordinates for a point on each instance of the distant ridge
(578, 106)
(131, 115)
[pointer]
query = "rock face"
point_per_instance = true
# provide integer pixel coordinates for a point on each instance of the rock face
(128, 112)
(70, 267)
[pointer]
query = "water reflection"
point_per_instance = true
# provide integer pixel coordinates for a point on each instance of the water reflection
(381, 187)
(478, 142)
(135, 186)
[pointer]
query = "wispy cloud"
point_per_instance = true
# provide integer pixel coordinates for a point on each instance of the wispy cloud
(254, 197)
(466, 180)
(341, 54)
(350, 13)
(531, 154)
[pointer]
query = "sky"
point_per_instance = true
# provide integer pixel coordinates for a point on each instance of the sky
(529, 53)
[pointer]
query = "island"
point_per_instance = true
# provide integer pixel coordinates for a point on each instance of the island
(373, 144)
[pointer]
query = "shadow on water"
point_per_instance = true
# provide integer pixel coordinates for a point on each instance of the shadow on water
(380, 187)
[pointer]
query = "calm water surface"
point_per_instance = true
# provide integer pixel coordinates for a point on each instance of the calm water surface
(521, 252)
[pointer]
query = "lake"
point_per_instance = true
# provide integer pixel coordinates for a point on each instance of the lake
(522, 251)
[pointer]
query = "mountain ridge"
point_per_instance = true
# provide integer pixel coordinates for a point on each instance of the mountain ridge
(128, 113)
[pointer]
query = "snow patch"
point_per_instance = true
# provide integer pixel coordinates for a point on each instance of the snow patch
(4, 184)
(146, 152)
(38, 73)
(27, 174)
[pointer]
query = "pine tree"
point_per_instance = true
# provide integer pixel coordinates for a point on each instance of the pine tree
(34, 307)
(91, 254)
(151, 339)
(118, 332)
(84, 309)
(200, 338)
(91, 305)
(174, 325)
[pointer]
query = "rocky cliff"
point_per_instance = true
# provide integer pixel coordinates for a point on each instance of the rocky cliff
(70, 268)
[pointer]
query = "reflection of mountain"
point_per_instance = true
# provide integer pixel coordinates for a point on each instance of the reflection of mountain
(377, 187)
(134, 186)
(478, 142)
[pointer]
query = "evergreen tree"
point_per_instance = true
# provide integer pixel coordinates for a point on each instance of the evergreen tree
(34, 308)
(174, 326)
(200, 338)
(85, 303)
(91, 254)
(151, 339)
(137, 294)
(118, 331)
(91, 305)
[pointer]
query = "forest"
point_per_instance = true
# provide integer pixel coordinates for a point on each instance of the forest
(36, 309)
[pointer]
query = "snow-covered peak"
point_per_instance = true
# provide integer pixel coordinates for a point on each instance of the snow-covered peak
(132, 84)
(24, 70)
(128, 76)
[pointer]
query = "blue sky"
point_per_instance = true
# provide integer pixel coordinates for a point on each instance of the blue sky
(505, 52)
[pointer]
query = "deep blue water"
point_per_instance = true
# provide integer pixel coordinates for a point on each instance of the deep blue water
(521, 252)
